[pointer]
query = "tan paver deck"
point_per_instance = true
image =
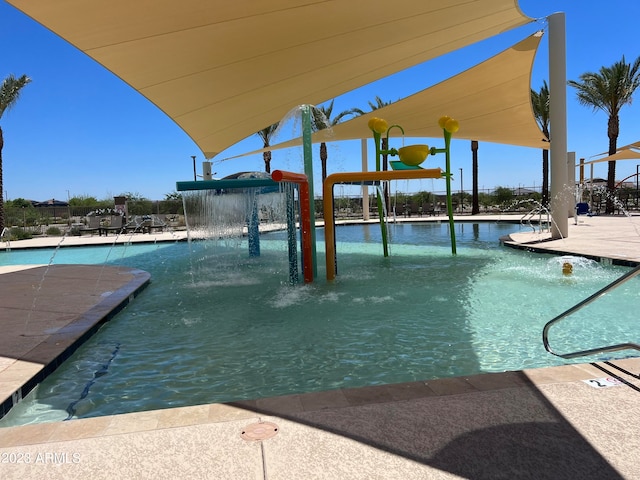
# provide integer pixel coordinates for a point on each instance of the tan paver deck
(607, 237)
(546, 423)
(45, 310)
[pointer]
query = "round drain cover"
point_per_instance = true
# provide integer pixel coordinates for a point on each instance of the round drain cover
(259, 431)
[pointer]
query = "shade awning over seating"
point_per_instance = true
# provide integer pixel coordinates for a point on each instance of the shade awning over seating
(224, 70)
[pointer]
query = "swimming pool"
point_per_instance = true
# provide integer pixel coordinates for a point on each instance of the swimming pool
(216, 325)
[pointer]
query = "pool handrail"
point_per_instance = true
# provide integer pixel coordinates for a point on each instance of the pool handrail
(5, 231)
(592, 351)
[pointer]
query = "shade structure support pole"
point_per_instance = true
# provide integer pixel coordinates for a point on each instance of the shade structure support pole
(558, 121)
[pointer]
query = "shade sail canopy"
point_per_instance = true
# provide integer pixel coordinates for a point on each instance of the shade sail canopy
(224, 70)
(623, 153)
(491, 101)
(635, 145)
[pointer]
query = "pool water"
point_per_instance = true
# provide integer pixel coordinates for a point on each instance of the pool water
(217, 326)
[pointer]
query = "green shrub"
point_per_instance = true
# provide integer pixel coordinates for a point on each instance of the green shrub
(54, 232)
(18, 233)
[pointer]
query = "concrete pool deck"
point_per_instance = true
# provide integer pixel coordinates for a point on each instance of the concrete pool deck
(564, 422)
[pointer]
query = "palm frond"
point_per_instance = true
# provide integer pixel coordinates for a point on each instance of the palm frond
(10, 91)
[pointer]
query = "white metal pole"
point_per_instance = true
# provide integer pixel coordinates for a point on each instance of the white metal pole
(558, 121)
(571, 182)
(591, 189)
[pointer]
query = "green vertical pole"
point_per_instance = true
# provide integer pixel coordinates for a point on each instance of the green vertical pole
(379, 199)
(253, 232)
(308, 170)
(452, 229)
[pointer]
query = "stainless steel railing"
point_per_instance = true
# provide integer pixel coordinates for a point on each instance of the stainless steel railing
(6, 232)
(592, 351)
(527, 219)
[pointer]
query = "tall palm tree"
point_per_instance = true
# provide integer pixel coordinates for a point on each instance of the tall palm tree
(475, 201)
(540, 104)
(609, 90)
(9, 94)
(266, 134)
(321, 120)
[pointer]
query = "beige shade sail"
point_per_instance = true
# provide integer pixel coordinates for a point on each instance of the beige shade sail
(635, 145)
(491, 101)
(623, 153)
(224, 70)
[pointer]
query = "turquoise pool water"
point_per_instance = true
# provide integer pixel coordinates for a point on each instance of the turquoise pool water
(216, 325)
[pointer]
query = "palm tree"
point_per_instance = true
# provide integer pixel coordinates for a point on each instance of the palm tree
(540, 104)
(322, 119)
(379, 103)
(609, 89)
(9, 94)
(475, 200)
(266, 134)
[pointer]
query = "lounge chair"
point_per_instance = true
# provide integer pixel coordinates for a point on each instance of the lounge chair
(93, 225)
(583, 209)
(115, 225)
(149, 223)
(135, 225)
(156, 223)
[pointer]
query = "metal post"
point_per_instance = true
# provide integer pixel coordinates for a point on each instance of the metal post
(637, 172)
(308, 170)
(461, 193)
(571, 183)
(558, 118)
(193, 157)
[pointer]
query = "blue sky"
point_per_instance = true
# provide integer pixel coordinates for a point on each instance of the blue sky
(78, 130)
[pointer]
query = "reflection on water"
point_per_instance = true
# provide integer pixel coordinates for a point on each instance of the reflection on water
(216, 325)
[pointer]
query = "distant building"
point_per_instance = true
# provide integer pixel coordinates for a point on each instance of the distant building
(522, 192)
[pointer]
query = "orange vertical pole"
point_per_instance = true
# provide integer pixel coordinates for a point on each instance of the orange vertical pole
(353, 177)
(305, 218)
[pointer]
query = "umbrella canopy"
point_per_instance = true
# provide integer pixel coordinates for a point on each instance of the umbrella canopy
(224, 70)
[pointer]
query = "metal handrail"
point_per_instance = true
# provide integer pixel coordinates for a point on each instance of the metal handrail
(5, 230)
(612, 348)
(528, 217)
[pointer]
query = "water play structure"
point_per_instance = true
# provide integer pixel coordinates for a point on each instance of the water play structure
(407, 168)
(237, 203)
